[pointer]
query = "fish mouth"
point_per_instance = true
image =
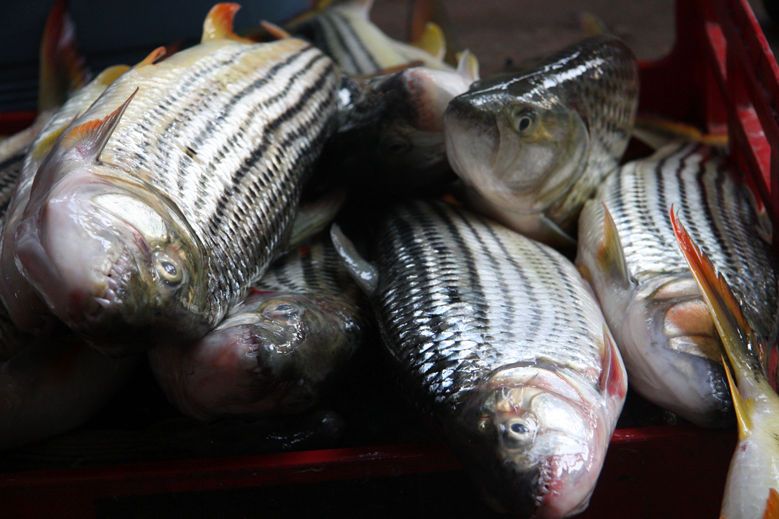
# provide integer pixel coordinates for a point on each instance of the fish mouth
(554, 473)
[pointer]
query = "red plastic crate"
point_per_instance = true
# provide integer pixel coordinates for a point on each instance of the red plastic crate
(720, 75)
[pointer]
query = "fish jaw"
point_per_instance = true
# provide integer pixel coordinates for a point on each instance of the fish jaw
(272, 355)
(89, 247)
(543, 437)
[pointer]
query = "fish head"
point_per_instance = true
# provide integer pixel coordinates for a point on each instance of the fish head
(541, 445)
(519, 152)
(272, 354)
(112, 258)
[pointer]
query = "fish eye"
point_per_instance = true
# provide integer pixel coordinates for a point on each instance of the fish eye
(523, 120)
(517, 433)
(167, 270)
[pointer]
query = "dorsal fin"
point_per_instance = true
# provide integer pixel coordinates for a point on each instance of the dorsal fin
(274, 30)
(219, 23)
(468, 65)
(152, 58)
(432, 41)
(90, 137)
(62, 69)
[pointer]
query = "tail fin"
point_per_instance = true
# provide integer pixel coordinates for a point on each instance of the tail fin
(738, 341)
(62, 68)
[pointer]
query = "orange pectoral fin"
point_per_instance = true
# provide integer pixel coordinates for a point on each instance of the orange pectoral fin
(612, 379)
(90, 137)
(772, 505)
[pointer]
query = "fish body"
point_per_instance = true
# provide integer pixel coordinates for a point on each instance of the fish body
(645, 288)
(391, 134)
(277, 350)
(344, 32)
(471, 314)
(752, 487)
(25, 308)
(532, 147)
(171, 195)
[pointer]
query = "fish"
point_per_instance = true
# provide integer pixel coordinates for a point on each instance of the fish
(390, 135)
(62, 72)
(752, 487)
(499, 337)
(276, 351)
(628, 252)
(344, 32)
(26, 310)
(532, 147)
(160, 205)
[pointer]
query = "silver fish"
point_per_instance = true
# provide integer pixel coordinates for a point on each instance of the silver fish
(25, 308)
(169, 197)
(390, 135)
(533, 147)
(501, 339)
(645, 288)
(277, 350)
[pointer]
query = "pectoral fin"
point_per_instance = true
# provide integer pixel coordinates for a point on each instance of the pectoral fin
(314, 217)
(362, 272)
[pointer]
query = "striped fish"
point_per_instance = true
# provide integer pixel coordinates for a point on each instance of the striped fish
(628, 251)
(277, 350)
(534, 146)
(344, 32)
(161, 204)
(26, 309)
(392, 137)
(500, 338)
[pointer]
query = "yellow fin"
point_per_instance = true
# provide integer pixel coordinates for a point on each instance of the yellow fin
(274, 30)
(771, 505)
(111, 74)
(468, 65)
(432, 41)
(609, 255)
(90, 137)
(656, 132)
(731, 324)
(152, 58)
(219, 23)
(592, 25)
(44, 146)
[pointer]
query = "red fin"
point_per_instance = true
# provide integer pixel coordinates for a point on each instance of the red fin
(772, 505)
(153, 57)
(219, 22)
(612, 380)
(274, 30)
(62, 68)
(90, 137)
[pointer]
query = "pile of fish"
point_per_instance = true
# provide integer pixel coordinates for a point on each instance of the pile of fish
(182, 210)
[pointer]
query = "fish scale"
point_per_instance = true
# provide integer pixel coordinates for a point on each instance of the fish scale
(313, 267)
(717, 213)
(470, 313)
(451, 255)
(291, 110)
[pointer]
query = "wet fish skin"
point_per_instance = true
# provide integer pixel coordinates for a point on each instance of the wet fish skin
(391, 134)
(25, 308)
(469, 313)
(534, 146)
(652, 304)
(159, 252)
(276, 351)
